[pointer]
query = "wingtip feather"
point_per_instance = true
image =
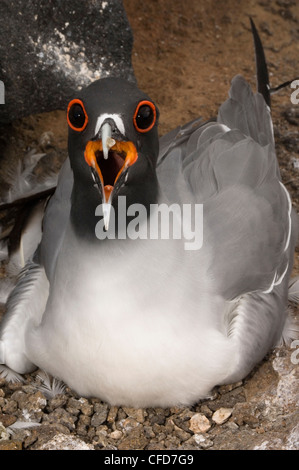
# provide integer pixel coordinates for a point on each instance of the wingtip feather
(261, 65)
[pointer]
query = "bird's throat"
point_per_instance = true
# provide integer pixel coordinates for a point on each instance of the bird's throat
(120, 157)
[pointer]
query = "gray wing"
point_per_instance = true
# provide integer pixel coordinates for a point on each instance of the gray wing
(231, 167)
(55, 221)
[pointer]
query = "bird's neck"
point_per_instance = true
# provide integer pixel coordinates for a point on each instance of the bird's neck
(87, 208)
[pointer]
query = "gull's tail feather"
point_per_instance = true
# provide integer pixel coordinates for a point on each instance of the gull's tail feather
(263, 82)
(262, 74)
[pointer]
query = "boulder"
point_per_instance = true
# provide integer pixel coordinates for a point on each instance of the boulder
(51, 48)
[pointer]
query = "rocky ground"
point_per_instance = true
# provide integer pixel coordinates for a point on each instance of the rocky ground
(184, 57)
(258, 413)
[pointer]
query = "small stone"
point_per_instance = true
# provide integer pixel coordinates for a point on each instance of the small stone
(73, 411)
(136, 440)
(156, 446)
(29, 440)
(202, 441)
(10, 445)
(102, 431)
(61, 416)
(3, 433)
(73, 406)
(128, 424)
(7, 420)
(85, 407)
(232, 426)
(116, 434)
(63, 442)
(57, 402)
(36, 402)
(251, 420)
(181, 434)
(157, 416)
(10, 407)
(21, 398)
(15, 386)
(136, 413)
(229, 387)
(206, 411)
(82, 425)
(222, 415)
(111, 418)
(175, 410)
(172, 442)
(100, 415)
(199, 423)
(148, 431)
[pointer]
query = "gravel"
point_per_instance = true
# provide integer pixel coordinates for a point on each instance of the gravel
(258, 413)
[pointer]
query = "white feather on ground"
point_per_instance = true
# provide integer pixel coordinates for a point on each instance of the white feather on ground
(50, 387)
(21, 425)
(9, 375)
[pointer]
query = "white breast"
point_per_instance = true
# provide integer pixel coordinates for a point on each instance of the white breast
(133, 327)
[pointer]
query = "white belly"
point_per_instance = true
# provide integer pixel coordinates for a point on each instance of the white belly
(129, 333)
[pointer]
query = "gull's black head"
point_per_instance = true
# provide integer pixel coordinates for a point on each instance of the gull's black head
(113, 146)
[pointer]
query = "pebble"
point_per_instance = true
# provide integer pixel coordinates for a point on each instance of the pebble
(199, 423)
(7, 420)
(128, 424)
(202, 441)
(112, 414)
(116, 434)
(136, 413)
(222, 415)
(10, 445)
(86, 408)
(136, 440)
(100, 415)
(81, 422)
(63, 442)
(3, 433)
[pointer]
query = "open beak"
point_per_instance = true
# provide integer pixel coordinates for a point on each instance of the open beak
(109, 158)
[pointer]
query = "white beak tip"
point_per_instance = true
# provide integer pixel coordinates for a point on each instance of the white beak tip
(106, 214)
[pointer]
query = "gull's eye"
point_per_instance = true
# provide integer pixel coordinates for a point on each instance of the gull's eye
(145, 116)
(76, 115)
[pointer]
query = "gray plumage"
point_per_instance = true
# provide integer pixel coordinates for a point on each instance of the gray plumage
(147, 323)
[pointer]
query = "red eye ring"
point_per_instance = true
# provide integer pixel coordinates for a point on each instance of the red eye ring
(72, 126)
(153, 117)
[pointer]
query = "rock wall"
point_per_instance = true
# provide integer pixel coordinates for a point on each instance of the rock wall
(50, 48)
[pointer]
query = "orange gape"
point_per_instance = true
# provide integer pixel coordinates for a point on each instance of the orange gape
(120, 147)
